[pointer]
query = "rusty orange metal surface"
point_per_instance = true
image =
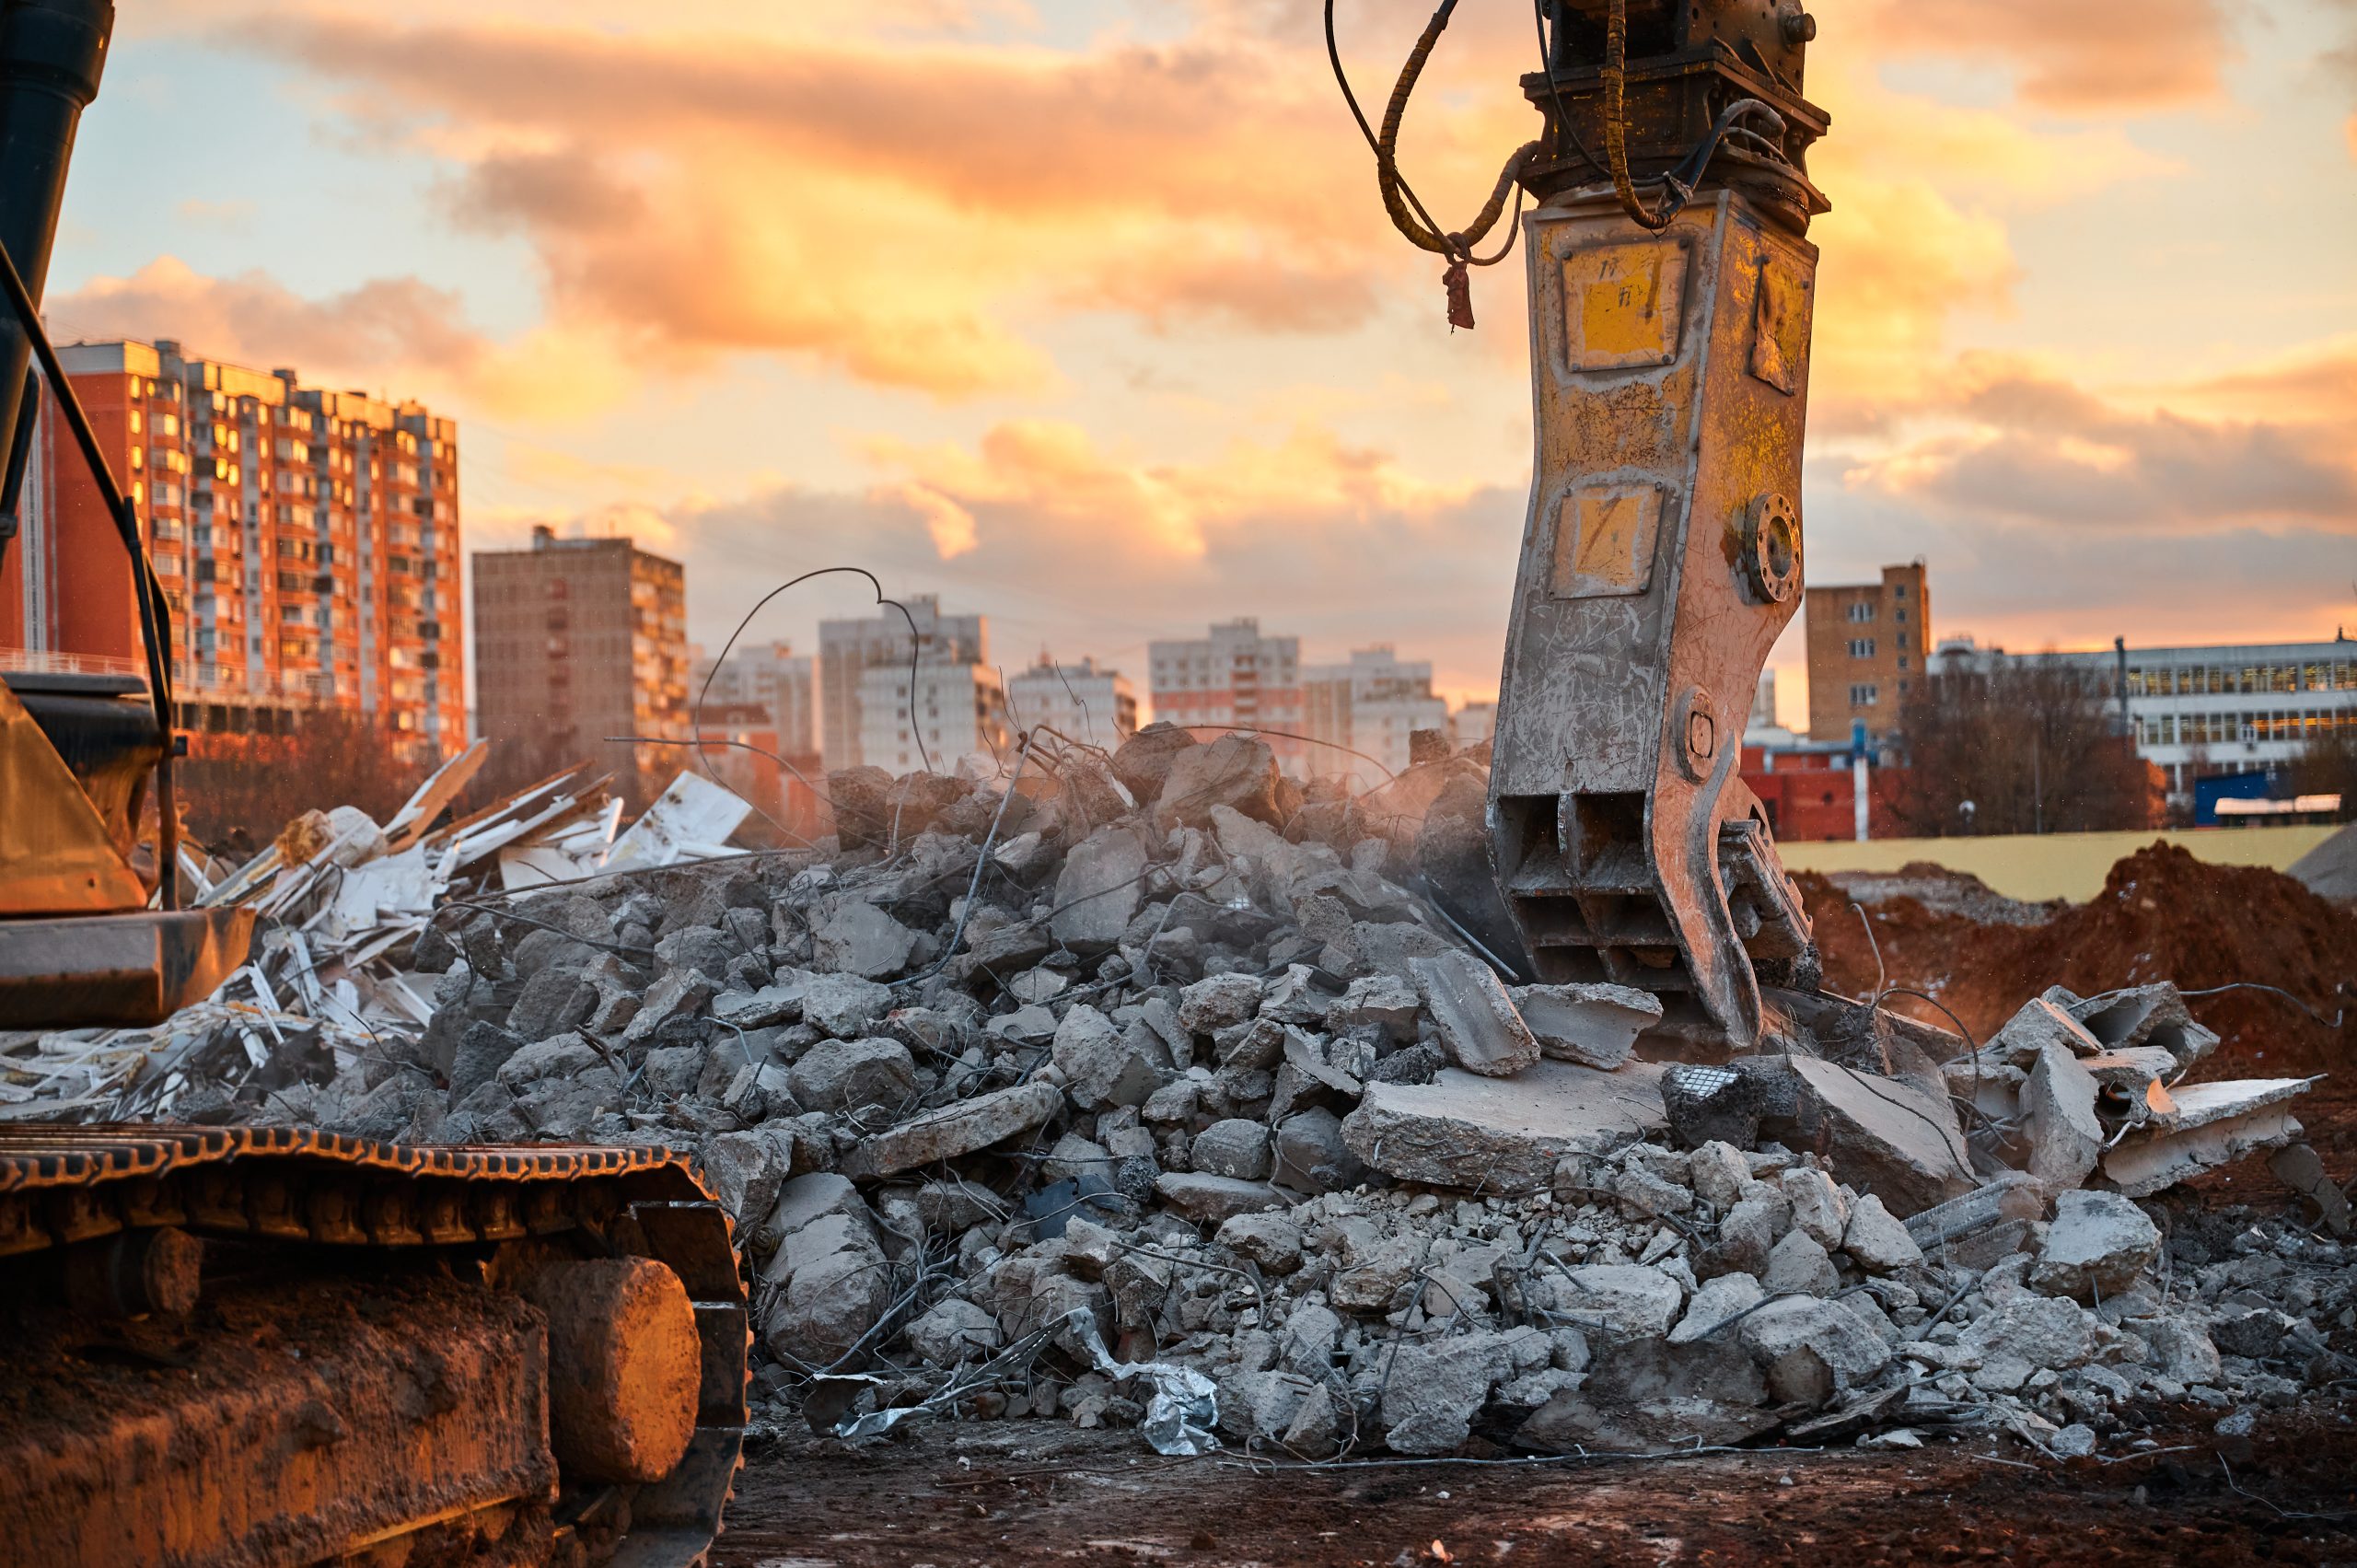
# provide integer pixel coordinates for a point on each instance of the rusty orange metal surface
(56, 856)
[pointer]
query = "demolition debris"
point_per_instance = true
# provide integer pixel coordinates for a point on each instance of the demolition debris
(1152, 1089)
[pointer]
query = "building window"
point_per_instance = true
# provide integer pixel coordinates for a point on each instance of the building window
(1862, 647)
(1864, 696)
(1862, 610)
(1898, 591)
(1900, 616)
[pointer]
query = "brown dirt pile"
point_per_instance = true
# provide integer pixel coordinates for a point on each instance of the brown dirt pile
(2162, 915)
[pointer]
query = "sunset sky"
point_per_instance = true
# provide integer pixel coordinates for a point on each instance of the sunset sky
(1086, 315)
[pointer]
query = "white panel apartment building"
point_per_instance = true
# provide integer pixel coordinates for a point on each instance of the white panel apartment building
(2199, 711)
(850, 650)
(1234, 676)
(958, 708)
(1095, 706)
(773, 677)
(1371, 705)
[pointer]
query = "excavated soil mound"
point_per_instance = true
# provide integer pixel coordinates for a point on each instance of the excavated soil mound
(2162, 915)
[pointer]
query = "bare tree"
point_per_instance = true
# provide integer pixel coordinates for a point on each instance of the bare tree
(2021, 747)
(241, 795)
(2327, 765)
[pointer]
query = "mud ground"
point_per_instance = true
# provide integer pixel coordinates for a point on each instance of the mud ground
(1023, 1492)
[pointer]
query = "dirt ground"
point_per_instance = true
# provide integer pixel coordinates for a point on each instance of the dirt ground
(1039, 1492)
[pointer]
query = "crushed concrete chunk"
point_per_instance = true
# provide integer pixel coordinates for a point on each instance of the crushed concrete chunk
(853, 936)
(2098, 1244)
(1812, 1349)
(1099, 889)
(2058, 1118)
(1717, 1302)
(853, 1077)
(1800, 1264)
(954, 1330)
(1104, 1064)
(1618, 1300)
(960, 1128)
(1502, 1135)
(1877, 1240)
(1595, 1024)
(1880, 1135)
(844, 1005)
(2146, 1161)
(1479, 1028)
(1217, 1198)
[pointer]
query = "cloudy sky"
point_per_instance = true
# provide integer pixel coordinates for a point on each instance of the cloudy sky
(1085, 313)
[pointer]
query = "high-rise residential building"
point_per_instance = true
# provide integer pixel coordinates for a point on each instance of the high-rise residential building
(1235, 678)
(849, 649)
(769, 676)
(1370, 705)
(1867, 647)
(1095, 707)
(306, 541)
(2195, 711)
(948, 709)
(578, 641)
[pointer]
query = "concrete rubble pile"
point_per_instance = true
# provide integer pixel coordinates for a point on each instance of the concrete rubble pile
(345, 904)
(1153, 1089)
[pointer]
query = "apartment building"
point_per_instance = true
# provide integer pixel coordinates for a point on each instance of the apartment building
(1078, 700)
(1370, 705)
(1867, 647)
(770, 677)
(1472, 723)
(578, 641)
(948, 709)
(2197, 711)
(1234, 676)
(848, 650)
(306, 541)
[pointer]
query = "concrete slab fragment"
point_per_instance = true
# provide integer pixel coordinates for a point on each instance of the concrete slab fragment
(1596, 1026)
(1502, 1134)
(2146, 1161)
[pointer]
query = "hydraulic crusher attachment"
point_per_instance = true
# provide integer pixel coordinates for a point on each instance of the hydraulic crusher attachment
(1670, 287)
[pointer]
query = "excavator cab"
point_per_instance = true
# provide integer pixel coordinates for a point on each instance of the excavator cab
(85, 753)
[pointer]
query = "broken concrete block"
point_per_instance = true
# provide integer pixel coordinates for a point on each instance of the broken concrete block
(2038, 1023)
(1880, 1135)
(1268, 1239)
(1383, 1001)
(959, 1128)
(2059, 1121)
(2012, 1196)
(1235, 1147)
(1142, 761)
(1236, 770)
(1877, 1240)
(1436, 1389)
(1259, 1406)
(1656, 1396)
(1818, 1207)
(1315, 1429)
(1479, 1028)
(1710, 1104)
(954, 1330)
(853, 1077)
(853, 936)
(1619, 1301)
(1593, 1025)
(1102, 1064)
(2297, 1166)
(1718, 1172)
(1217, 1198)
(2145, 1014)
(2049, 1332)
(1800, 1264)
(2216, 1124)
(843, 1006)
(2098, 1244)
(1502, 1135)
(1812, 1349)
(1312, 1156)
(1719, 1301)
(679, 994)
(1099, 889)
(747, 1169)
(1218, 1002)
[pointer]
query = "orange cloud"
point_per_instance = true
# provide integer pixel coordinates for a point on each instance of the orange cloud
(2082, 56)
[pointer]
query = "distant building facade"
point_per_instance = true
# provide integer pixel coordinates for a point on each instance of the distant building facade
(1097, 707)
(849, 650)
(2197, 711)
(580, 640)
(1234, 676)
(769, 676)
(948, 709)
(306, 539)
(1867, 647)
(1370, 705)
(1473, 724)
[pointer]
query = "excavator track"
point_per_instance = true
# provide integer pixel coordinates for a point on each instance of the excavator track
(278, 1346)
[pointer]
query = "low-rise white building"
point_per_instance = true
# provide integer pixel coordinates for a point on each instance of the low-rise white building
(2198, 711)
(1472, 723)
(1077, 700)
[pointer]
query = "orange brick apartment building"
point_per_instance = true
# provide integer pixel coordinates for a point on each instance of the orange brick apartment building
(306, 539)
